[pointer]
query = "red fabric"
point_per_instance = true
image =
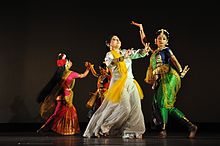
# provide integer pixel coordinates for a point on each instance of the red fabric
(65, 119)
(61, 62)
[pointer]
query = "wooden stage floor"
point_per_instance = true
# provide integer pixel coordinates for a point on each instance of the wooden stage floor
(149, 139)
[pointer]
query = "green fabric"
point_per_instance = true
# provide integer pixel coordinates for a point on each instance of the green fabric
(173, 112)
(169, 85)
(166, 91)
(137, 55)
(153, 60)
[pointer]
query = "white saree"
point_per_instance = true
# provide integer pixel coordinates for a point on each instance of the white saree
(124, 118)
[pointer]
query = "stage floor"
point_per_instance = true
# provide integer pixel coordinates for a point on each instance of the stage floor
(149, 139)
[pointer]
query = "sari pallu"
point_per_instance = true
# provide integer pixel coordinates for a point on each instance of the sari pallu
(169, 83)
(64, 119)
(114, 92)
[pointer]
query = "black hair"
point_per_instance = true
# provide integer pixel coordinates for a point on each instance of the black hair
(165, 32)
(108, 39)
(103, 65)
(56, 78)
(60, 55)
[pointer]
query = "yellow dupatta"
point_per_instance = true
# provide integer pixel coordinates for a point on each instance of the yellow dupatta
(140, 91)
(114, 92)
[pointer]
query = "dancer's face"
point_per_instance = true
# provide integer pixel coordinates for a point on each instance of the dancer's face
(69, 64)
(161, 41)
(115, 43)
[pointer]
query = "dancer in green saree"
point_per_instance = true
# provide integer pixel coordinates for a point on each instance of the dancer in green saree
(164, 74)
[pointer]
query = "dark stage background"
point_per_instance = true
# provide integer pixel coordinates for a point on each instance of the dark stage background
(33, 33)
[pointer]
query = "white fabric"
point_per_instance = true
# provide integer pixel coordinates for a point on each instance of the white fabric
(121, 118)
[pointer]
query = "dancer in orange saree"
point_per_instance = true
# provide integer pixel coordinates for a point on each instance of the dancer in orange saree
(55, 99)
(104, 77)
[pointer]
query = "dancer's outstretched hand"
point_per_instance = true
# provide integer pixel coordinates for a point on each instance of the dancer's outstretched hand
(88, 65)
(137, 24)
(185, 70)
(147, 48)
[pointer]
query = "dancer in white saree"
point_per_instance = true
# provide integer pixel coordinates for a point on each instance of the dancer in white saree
(120, 113)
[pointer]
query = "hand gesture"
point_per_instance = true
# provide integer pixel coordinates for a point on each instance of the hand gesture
(88, 65)
(137, 24)
(185, 70)
(147, 47)
(128, 53)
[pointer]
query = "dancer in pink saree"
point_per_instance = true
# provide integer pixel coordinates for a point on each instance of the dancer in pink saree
(55, 99)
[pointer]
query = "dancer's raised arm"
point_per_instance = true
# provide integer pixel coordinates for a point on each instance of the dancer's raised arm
(142, 34)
